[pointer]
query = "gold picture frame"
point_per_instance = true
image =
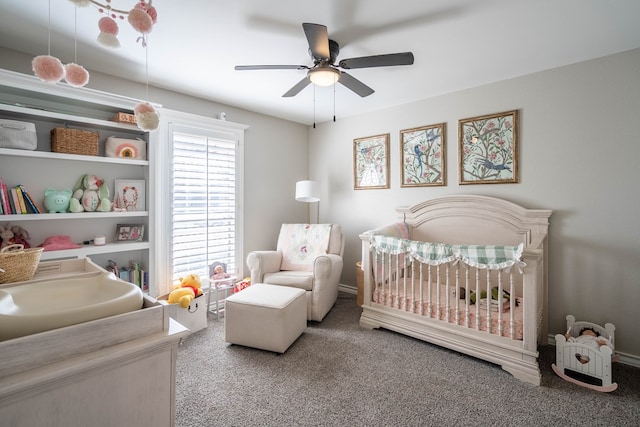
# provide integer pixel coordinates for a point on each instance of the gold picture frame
(422, 156)
(488, 149)
(371, 162)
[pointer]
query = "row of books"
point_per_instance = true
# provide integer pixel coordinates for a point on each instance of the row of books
(135, 275)
(16, 200)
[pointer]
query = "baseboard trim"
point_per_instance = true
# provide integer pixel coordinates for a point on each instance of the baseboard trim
(348, 289)
(624, 358)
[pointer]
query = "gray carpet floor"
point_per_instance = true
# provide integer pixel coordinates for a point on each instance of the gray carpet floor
(338, 373)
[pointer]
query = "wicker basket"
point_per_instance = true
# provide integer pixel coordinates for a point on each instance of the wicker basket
(74, 141)
(19, 264)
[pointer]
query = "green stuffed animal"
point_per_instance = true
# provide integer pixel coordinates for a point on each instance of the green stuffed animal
(494, 295)
(90, 194)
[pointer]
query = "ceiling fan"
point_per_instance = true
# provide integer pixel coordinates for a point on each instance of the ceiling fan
(325, 71)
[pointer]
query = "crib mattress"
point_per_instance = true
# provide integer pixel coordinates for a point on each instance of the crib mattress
(507, 323)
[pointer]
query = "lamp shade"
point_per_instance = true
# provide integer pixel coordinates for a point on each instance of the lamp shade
(307, 191)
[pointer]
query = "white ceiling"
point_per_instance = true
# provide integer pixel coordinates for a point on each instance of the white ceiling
(457, 44)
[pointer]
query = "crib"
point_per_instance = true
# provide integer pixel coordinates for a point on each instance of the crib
(582, 364)
(465, 272)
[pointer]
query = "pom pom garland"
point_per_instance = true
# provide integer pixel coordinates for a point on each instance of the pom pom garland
(81, 3)
(76, 75)
(48, 68)
(108, 32)
(140, 21)
(146, 116)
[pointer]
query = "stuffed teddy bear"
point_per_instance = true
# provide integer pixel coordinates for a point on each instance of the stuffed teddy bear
(14, 235)
(188, 289)
(90, 194)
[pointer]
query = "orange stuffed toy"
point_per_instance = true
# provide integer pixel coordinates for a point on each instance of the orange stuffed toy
(185, 292)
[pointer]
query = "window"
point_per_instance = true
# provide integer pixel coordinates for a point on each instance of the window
(199, 193)
(203, 207)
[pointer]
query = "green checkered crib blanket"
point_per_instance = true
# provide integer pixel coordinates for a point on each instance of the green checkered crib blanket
(492, 257)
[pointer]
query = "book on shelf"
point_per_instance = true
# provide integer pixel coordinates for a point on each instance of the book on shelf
(21, 203)
(15, 204)
(4, 195)
(30, 202)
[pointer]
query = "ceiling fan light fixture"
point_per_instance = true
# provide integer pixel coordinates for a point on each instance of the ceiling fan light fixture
(324, 76)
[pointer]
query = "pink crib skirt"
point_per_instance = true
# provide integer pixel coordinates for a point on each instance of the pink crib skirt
(465, 317)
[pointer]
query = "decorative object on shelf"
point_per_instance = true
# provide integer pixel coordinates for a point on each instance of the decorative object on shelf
(135, 149)
(371, 162)
(59, 243)
(12, 235)
(422, 152)
(130, 232)
(125, 118)
(18, 134)
(129, 194)
(18, 264)
(74, 141)
(90, 194)
(57, 201)
(488, 149)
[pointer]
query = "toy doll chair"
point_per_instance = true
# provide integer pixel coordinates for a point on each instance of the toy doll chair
(218, 286)
(308, 257)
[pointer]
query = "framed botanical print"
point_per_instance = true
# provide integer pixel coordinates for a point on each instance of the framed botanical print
(488, 150)
(423, 156)
(371, 162)
(129, 195)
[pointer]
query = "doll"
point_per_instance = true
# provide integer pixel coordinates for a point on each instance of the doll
(218, 275)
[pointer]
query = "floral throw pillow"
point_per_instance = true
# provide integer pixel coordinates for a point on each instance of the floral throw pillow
(301, 244)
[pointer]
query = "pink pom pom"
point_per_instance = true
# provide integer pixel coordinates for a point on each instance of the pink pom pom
(140, 21)
(76, 75)
(153, 13)
(108, 25)
(146, 116)
(48, 68)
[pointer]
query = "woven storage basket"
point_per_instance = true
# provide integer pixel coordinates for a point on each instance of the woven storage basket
(19, 264)
(74, 141)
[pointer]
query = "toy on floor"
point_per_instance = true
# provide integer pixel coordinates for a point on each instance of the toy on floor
(585, 353)
(186, 291)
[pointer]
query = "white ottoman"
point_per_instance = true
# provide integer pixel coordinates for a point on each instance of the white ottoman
(267, 317)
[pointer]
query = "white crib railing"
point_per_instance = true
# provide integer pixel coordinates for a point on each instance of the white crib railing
(448, 289)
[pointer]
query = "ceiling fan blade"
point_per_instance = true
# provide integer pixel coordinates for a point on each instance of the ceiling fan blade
(271, 67)
(391, 59)
(355, 85)
(297, 88)
(318, 40)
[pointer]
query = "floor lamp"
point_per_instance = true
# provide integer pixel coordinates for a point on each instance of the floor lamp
(307, 191)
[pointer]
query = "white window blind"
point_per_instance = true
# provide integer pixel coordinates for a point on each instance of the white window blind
(203, 208)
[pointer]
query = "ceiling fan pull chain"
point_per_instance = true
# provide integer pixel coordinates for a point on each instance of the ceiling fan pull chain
(314, 106)
(334, 103)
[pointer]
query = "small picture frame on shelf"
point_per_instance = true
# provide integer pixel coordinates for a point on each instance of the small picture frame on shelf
(129, 232)
(129, 195)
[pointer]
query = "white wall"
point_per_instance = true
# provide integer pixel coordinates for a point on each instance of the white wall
(579, 156)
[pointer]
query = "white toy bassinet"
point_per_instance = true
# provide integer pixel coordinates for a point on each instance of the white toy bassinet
(582, 364)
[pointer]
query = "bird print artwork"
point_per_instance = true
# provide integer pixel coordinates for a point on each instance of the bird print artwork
(371, 162)
(488, 149)
(423, 156)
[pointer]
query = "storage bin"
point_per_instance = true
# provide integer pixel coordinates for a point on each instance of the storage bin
(18, 134)
(74, 141)
(193, 317)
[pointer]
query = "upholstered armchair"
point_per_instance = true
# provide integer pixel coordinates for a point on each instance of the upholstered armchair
(307, 256)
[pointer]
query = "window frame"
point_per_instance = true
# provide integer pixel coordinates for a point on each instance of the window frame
(160, 151)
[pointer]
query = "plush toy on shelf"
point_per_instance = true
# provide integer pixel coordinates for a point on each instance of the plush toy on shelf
(13, 235)
(90, 194)
(185, 292)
